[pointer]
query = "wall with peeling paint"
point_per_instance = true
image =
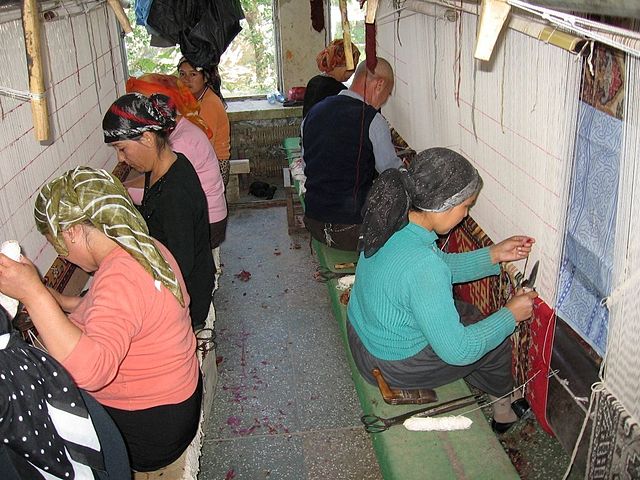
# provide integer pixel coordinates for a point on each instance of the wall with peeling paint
(299, 43)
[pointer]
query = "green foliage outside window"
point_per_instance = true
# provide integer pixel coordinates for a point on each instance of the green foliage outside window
(247, 67)
(142, 58)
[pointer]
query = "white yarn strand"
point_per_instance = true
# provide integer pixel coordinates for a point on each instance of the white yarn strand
(439, 424)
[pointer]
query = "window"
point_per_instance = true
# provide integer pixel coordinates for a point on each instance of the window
(356, 24)
(247, 67)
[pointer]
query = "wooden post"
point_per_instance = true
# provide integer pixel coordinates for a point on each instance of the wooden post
(120, 15)
(372, 8)
(346, 35)
(493, 16)
(39, 109)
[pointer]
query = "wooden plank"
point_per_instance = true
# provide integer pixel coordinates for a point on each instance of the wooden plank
(239, 166)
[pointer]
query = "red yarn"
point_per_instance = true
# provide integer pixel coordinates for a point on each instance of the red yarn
(370, 46)
(317, 15)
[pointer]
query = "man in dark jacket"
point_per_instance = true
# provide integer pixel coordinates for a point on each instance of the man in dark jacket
(345, 141)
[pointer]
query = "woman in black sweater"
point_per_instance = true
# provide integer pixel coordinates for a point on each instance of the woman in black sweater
(174, 204)
(333, 65)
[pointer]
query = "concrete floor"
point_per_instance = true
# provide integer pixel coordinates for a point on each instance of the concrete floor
(285, 405)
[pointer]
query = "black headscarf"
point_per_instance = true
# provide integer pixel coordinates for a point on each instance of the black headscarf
(133, 114)
(437, 180)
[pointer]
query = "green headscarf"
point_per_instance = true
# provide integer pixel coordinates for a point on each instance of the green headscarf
(86, 194)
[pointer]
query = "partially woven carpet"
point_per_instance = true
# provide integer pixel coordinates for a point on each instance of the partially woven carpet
(614, 452)
(532, 341)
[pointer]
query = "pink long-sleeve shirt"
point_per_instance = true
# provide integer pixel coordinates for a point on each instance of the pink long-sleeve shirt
(137, 349)
(192, 142)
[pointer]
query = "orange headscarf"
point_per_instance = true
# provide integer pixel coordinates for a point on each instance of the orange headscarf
(172, 87)
(333, 56)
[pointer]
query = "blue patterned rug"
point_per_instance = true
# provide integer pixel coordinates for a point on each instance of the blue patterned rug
(586, 268)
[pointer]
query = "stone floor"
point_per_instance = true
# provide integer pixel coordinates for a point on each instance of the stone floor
(285, 406)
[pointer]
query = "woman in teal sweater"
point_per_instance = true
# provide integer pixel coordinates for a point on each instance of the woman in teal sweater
(403, 318)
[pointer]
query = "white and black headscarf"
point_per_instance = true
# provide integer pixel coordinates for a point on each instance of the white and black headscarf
(133, 114)
(437, 180)
(45, 427)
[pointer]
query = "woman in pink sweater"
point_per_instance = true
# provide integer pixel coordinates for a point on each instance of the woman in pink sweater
(129, 341)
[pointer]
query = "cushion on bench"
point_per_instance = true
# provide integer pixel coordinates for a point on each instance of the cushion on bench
(334, 260)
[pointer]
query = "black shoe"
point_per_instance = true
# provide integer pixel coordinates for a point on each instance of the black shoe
(500, 427)
(521, 408)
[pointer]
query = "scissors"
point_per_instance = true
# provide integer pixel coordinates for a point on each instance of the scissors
(375, 424)
(530, 282)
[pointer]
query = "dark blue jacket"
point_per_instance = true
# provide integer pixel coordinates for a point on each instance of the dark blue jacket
(338, 154)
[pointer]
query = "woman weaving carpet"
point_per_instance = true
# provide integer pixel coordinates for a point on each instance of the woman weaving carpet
(189, 137)
(403, 318)
(333, 64)
(128, 341)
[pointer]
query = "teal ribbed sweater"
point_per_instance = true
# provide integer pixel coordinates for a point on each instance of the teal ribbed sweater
(402, 300)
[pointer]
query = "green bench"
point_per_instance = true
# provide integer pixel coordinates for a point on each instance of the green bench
(405, 455)
(334, 260)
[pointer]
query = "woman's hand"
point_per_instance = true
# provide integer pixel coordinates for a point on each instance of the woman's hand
(20, 280)
(512, 249)
(521, 305)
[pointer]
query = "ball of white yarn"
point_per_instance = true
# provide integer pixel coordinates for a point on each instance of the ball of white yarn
(11, 249)
(440, 424)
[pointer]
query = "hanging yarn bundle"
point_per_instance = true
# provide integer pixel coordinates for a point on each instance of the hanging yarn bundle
(370, 34)
(317, 15)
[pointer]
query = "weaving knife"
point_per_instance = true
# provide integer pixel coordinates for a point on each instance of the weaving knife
(531, 281)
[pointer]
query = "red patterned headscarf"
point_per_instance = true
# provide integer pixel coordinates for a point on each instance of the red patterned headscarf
(133, 114)
(186, 104)
(333, 56)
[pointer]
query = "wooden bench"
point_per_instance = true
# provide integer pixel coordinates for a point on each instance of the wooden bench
(295, 203)
(292, 187)
(475, 453)
(238, 176)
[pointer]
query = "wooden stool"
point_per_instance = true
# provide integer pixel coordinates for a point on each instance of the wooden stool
(238, 171)
(403, 397)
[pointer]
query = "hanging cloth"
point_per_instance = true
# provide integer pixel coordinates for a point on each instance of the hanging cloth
(317, 15)
(207, 40)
